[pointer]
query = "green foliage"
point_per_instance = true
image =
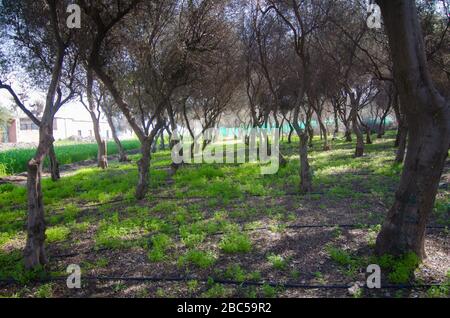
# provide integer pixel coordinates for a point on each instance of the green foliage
(57, 234)
(160, 244)
(45, 291)
(13, 267)
(277, 261)
(341, 257)
(216, 291)
(236, 272)
(349, 263)
(115, 233)
(235, 243)
(401, 268)
(295, 274)
(269, 291)
(192, 286)
(16, 160)
(441, 291)
(372, 235)
(198, 258)
(69, 215)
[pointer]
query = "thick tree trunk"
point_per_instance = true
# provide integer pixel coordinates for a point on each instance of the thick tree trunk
(144, 169)
(34, 252)
(54, 164)
(428, 117)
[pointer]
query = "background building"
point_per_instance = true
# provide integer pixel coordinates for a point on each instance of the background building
(22, 129)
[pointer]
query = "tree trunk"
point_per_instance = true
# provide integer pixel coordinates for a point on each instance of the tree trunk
(162, 145)
(102, 159)
(122, 154)
(367, 131)
(54, 165)
(34, 252)
(143, 169)
(368, 137)
(310, 133)
(428, 117)
(402, 138)
(348, 133)
(173, 126)
(359, 151)
(291, 130)
(324, 132)
(305, 170)
(155, 145)
(381, 127)
(401, 124)
(336, 124)
(93, 109)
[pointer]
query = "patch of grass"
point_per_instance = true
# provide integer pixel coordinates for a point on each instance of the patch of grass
(80, 227)
(295, 274)
(45, 291)
(340, 256)
(350, 263)
(236, 272)
(115, 233)
(401, 268)
(216, 291)
(235, 243)
(198, 258)
(442, 291)
(15, 160)
(319, 277)
(160, 244)
(372, 235)
(269, 291)
(337, 231)
(192, 286)
(165, 207)
(255, 276)
(12, 267)
(57, 234)
(277, 261)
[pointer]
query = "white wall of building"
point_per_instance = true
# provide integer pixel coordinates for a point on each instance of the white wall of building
(66, 128)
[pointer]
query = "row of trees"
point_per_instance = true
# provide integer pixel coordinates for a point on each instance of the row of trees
(163, 64)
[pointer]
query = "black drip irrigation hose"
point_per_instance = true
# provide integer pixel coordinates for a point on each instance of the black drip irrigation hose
(225, 282)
